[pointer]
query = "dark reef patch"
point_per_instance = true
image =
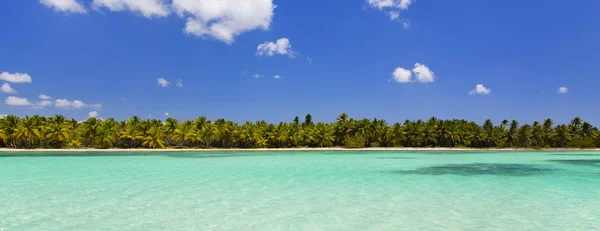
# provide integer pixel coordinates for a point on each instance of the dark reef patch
(587, 162)
(477, 169)
(561, 154)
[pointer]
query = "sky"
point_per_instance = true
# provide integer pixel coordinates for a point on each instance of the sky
(273, 60)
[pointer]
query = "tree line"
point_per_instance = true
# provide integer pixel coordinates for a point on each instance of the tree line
(59, 132)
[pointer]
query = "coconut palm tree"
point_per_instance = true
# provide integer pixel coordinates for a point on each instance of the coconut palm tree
(154, 138)
(57, 133)
(10, 127)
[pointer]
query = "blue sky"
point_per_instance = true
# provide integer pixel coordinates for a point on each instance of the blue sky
(106, 56)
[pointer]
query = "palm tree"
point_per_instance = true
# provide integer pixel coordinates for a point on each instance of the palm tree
(108, 135)
(132, 132)
(512, 133)
(323, 135)
(524, 136)
(154, 138)
(89, 130)
(28, 131)
(308, 120)
(10, 128)
(57, 133)
(537, 139)
(170, 125)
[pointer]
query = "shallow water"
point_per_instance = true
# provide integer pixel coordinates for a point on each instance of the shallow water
(358, 190)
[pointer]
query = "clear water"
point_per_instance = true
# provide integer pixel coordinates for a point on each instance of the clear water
(301, 191)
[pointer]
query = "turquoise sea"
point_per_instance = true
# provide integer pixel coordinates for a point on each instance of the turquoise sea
(316, 190)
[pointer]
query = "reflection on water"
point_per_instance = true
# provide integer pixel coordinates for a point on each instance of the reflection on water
(588, 162)
(218, 155)
(578, 154)
(476, 169)
(398, 158)
(75, 154)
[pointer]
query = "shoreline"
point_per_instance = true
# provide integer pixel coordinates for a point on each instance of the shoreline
(288, 149)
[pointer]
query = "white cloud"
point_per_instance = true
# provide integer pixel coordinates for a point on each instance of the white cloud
(423, 74)
(381, 3)
(281, 47)
(402, 75)
(179, 83)
(391, 7)
(42, 104)
(44, 97)
(162, 82)
(66, 104)
(64, 5)
(393, 15)
(6, 88)
(277, 77)
(3, 115)
(481, 90)
(384, 4)
(15, 77)
(223, 20)
(256, 76)
(148, 8)
(167, 114)
(563, 90)
(309, 60)
(404, 4)
(17, 101)
(93, 114)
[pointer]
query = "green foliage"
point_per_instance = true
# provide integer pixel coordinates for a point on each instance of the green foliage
(60, 132)
(355, 141)
(584, 143)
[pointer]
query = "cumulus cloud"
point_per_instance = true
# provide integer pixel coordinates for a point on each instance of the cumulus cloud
(256, 76)
(7, 89)
(384, 4)
(167, 114)
(309, 60)
(42, 104)
(162, 82)
(93, 114)
(148, 8)
(71, 6)
(179, 83)
(480, 90)
(44, 97)
(15, 77)
(404, 4)
(277, 77)
(421, 73)
(17, 101)
(75, 104)
(223, 20)
(392, 8)
(563, 90)
(402, 75)
(66, 104)
(281, 47)
(381, 3)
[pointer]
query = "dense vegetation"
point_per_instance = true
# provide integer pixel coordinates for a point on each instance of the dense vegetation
(59, 132)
